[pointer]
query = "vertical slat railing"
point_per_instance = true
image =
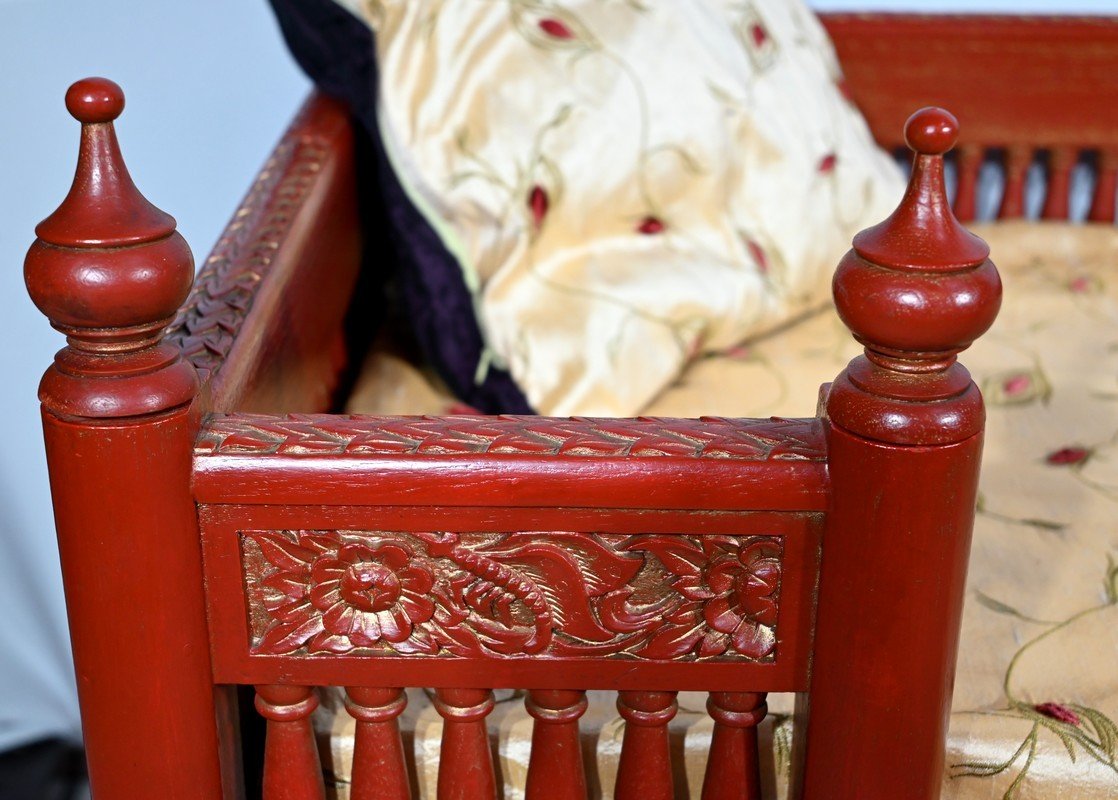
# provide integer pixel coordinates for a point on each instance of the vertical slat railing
(555, 770)
(966, 188)
(1106, 184)
(465, 760)
(733, 766)
(1058, 191)
(1017, 161)
(379, 771)
(645, 770)
(291, 767)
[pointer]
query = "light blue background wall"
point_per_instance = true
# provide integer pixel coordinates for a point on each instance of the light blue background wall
(209, 90)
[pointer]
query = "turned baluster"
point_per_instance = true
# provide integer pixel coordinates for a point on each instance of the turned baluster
(109, 270)
(465, 760)
(733, 768)
(1017, 161)
(379, 772)
(291, 767)
(1106, 184)
(555, 769)
(1058, 191)
(967, 167)
(645, 770)
(905, 425)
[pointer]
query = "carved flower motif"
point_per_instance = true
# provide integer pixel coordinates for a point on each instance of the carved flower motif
(731, 591)
(744, 603)
(367, 594)
(334, 599)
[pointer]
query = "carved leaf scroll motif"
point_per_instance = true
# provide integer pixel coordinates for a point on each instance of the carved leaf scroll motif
(563, 595)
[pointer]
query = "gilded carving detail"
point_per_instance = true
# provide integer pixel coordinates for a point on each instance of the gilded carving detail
(709, 437)
(565, 595)
(225, 287)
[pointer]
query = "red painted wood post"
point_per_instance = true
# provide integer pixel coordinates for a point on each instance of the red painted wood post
(966, 189)
(905, 438)
(733, 769)
(109, 271)
(465, 760)
(1058, 191)
(1017, 161)
(1106, 184)
(291, 767)
(555, 770)
(379, 771)
(645, 769)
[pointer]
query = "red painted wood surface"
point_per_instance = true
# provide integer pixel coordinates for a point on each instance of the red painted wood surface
(291, 767)
(645, 769)
(555, 768)
(465, 761)
(1061, 160)
(905, 437)
(733, 765)
(379, 771)
(119, 426)
(250, 326)
(1021, 85)
(1106, 184)
(238, 620)
(713, 464)
(1037, 81)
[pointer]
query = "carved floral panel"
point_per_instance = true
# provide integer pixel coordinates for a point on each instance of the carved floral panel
(564, 595)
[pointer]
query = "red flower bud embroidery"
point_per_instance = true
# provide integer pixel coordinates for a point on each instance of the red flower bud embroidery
(757, 253)
(844, 90)
(1016, 385)
(1059, 712)
(827, 164)
(650, 226)
(555, 29)
(538, 203)
(461, 409)
(1067, 456)
(758, 33)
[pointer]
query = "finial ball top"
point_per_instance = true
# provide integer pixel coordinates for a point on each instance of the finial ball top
(931, 131)
(93, 100)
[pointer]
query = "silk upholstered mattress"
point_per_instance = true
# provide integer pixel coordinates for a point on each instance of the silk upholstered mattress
(1036, 695)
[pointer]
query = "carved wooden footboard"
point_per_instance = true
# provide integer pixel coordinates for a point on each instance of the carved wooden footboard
(206, 545)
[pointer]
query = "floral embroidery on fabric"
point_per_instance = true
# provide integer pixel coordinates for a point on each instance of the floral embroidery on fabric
(1083, 731)
(1017, 387)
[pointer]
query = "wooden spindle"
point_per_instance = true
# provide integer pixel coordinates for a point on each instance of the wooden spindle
(1017, 161)
(1106, 184)
(555, 769)
(1058, 191)
(465, 760)
(645, 771)
(966, 188)
(291, 767)
(733, 767)
(379, 772)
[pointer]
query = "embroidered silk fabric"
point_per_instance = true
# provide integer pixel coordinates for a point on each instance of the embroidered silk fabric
(626, 185)
(1036, 694)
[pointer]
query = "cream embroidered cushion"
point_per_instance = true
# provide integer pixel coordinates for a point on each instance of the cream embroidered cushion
(624, 185)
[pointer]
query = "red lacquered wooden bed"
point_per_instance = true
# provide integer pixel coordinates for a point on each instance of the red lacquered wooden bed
(219, 527)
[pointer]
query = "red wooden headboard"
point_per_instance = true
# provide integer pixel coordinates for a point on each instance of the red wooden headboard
(1026, 87)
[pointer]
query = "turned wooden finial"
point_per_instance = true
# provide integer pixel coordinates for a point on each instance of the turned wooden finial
(916, 290)
(109, 271)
